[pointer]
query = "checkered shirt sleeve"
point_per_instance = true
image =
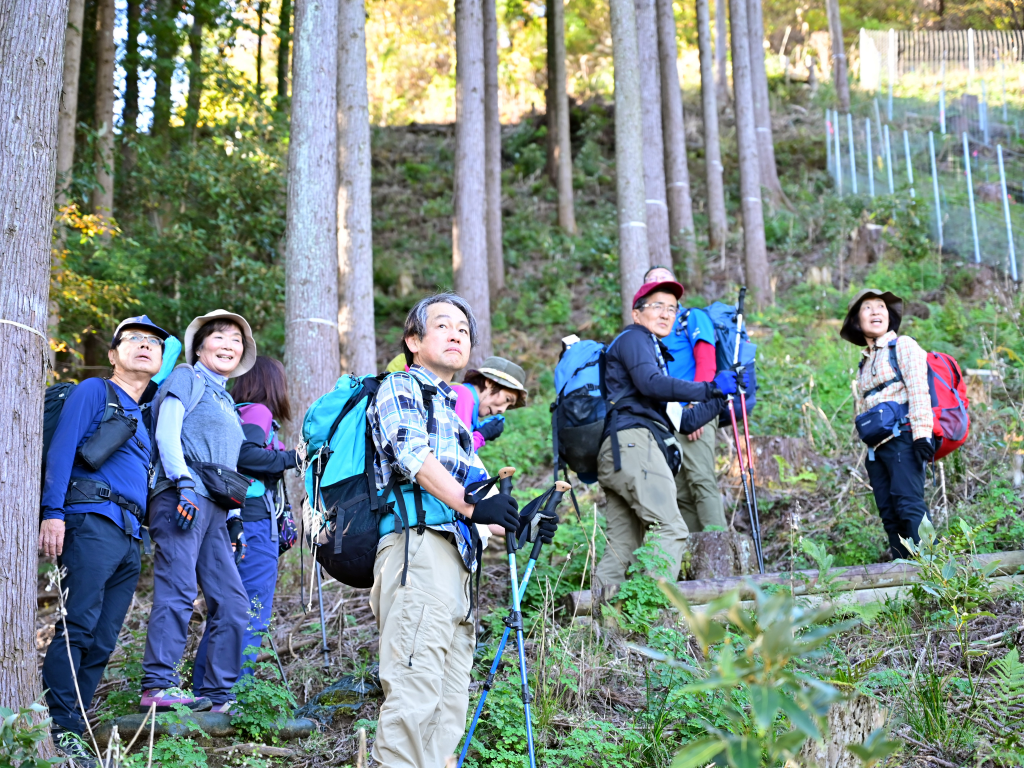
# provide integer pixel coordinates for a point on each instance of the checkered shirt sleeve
(913, 390)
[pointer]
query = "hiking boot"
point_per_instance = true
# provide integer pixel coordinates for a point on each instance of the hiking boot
(167, 699)
(70, 745)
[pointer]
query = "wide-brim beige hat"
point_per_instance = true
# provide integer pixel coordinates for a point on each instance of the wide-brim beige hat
(894, 303)
(505, 374)
(248, 342)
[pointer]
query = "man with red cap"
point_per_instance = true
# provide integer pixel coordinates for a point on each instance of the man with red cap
(639, 454)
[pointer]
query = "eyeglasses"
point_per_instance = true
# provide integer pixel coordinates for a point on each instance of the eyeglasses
(138, 338)
(662, 309)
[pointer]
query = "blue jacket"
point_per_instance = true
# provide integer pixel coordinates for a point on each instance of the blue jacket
(696, 326)
(126, 472)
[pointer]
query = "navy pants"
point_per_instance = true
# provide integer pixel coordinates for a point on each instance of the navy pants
(259, 577)
(103, 567)
(180, 559)
(897, 479)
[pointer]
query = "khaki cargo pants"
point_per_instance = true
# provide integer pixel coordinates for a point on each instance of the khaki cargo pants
(426, 650)
(700, 501)
(640, 495)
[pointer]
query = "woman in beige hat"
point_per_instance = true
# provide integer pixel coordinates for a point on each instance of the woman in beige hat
(486, 393)
(894, 412)
(194, 515)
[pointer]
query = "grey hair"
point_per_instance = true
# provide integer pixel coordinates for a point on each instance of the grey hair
(416, 320)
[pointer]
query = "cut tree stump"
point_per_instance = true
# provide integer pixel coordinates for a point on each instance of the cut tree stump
(849, 722)
(719, 554)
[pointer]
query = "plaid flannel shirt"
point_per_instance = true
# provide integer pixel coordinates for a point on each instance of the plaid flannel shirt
(398, 421)
(876, 370)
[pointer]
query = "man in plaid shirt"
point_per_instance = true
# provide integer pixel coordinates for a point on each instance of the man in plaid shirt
(421, 592)
(897, 468)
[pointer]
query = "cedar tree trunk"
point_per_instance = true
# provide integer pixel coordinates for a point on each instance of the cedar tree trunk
(284, 39)
(469, 230)
(103, 195)
(69, 99)
(560, 102)
(311, 255)
(634, 260)
(195, 71)
(721, 51)
(165, 33)
(762, 106)
(839, 76)
(31, 60)
(754, 249)
(355, 230)
(717, 223)
(677, 174)
(492, 127)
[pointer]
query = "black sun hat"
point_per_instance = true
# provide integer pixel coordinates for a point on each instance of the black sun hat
(851, 327)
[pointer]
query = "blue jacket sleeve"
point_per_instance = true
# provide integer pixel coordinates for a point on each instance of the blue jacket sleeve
(79, 418)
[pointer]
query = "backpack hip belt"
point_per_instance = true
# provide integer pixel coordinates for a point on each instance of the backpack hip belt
(95, 492)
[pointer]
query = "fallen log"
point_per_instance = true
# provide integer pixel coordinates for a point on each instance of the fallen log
(215, 725)
(856, 577)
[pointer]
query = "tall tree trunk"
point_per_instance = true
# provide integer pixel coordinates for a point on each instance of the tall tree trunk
(677, 174)
(762, 105)
(195, 70)
(103, 196)
(165, 34)
(634, 260)
(560, 99)
(311, 255)
(130, 112)
(550, 116)
(469, 235)
(754, 248)
(260, 10)
(284, 39)
(492, 127)
(839, 68)
(658, 239)
(31, 58)
(721, 51)
(355, 229)
(717, 223)
(69, 99)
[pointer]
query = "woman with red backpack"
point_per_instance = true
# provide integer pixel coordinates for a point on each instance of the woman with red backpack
(894, 412)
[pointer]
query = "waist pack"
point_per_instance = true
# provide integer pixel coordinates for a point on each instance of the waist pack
(115, 428)
(951, 421)
(224, 486)
(882, 421)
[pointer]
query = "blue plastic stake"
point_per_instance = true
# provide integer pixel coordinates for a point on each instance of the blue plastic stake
(970, 200)
(837, 153)
(871, 158)
(1006, 215)
(910, 165)
(853, 153)
(935, 186)
(888, 159)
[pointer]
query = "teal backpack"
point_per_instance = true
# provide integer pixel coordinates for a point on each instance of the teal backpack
(346, 508)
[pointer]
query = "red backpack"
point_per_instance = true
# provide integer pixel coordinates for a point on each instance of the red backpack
(951, 422)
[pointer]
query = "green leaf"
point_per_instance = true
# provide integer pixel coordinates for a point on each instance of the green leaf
(800, 718)
(949, 569)
(764, 704)
(698, 753)
(744, 752)
(789, 743)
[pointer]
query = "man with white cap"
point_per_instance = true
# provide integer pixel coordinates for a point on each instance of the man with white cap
(93, 502)
(194, 515)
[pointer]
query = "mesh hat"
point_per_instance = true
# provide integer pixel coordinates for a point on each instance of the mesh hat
(851, 323)
(141, 322)
(248, 342)
(505, 374)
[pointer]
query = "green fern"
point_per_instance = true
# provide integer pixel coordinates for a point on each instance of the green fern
(1007, 685)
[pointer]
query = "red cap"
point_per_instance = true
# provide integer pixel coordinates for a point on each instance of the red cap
(668, 286)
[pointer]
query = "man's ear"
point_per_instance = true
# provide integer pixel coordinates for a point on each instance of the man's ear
(413, 343)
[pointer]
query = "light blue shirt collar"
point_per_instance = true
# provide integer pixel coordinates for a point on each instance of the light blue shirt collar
(216, 378)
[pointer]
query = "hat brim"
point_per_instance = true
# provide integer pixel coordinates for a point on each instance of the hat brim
(504, 381)
(248, 342)
(852, 333)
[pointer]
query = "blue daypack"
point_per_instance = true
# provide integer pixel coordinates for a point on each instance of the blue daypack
(578, 413)
(723, 317)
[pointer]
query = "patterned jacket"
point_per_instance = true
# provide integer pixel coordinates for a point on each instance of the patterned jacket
(875, 370)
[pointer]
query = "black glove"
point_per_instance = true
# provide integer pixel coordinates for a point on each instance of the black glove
(500, 509)
(188, 504)
(492, 428)
(924, 450)
(537, 524)
(236, 534)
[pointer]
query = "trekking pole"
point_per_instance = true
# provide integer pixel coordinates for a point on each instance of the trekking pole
(739, 451)
(323, 622)
(755, 520)
(277, 656)
(556, 497)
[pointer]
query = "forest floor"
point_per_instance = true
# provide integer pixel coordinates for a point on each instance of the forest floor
(946, 682)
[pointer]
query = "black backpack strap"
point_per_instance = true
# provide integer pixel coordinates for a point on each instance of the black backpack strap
(421, 515)
(113, 402)
(402, 516)
(428, 391)
(897, 374)
(616, 455)
(94, 492)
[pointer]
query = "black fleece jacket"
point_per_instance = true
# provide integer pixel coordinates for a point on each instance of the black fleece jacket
(635, 382)
(264, 464)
